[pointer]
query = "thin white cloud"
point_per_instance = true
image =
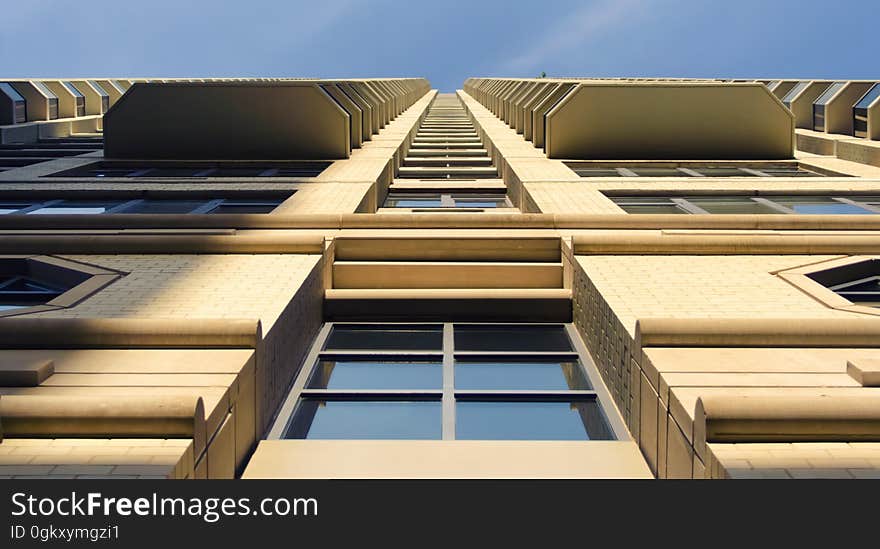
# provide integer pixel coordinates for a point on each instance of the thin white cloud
(575, 29)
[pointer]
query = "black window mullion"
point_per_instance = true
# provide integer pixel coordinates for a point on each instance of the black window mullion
(371, 394)
(525, 396)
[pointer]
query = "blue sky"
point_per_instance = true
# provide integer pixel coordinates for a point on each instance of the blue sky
(445, 41)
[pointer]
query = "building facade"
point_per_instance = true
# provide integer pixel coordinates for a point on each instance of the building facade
(365, 278)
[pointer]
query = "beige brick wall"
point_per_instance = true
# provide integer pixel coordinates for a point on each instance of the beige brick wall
(194, 286)
(611, 292)
(702, 287)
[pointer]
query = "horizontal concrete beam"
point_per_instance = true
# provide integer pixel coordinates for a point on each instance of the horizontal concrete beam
(440, 221)
(121, 333)
(442, 305)
(445, 248)
(660, 243)
(264, 243)
(445, 274)
(781, 418)
(757, 332)
(129, 416)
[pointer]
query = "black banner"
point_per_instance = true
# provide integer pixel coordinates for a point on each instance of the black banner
(412, 513)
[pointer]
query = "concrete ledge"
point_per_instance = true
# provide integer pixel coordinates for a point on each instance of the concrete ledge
(664, 243)
(265, 243)
(864, 371)
(446, 248)
(754, 332)
(31, 416)
(484, 305)
(664, 120)
(227, 121)
(135, 333)
(779, 418)
(325, 459)
(816, 142)
(440, 221)
(862, 151)
(24, 373)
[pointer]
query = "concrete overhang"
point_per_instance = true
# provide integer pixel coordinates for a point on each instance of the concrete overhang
(664, 120)
(227, 121)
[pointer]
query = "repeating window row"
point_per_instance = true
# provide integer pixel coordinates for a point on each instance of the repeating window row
(697, 171)
(228, 169)
(140, 206)
(741, 204)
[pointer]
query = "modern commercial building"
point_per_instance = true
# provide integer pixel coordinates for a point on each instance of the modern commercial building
(528, 278)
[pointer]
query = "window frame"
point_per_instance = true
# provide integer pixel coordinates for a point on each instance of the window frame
(449, 200)
(447, 394)
(125, 204)
(688, 207)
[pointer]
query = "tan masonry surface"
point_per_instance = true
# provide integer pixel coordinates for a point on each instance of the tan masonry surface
(170, 287)
(195, 286)
(701, 287)
(657, 389)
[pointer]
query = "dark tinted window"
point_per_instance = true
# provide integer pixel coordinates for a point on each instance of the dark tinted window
(869, 97)
(530, 421)
(551, 338)
(377, 420)
(516, 375)
(370, 337)
(376, 374)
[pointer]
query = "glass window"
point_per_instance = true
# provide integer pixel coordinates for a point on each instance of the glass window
(396, 200)
(788, 172)
(480, 201)
(862, 292)
(353, 337)
(11, 92)
(98, 87)
(43, 89)
(511, 337)
(596, 172)
(668, 207)
(794, 92)
(870, 200)
(376, 420)
(487, 382)
(22, 291)
(658, 172)
(732, 205)
(376, 374)
(723, 172)
(868, 99)
(118, 169)
(72, 89)
(818, 205)
(76, 207)
(12, 207)
(164, 207)
(529, 421)
(829, 93)
(520, 374)
(239, 206)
